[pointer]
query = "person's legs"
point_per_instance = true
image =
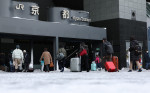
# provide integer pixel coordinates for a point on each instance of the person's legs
(138, 64)
(42, 67)
(86, 63)
(63, 65)
(59, 64)
(47, 67)
(139, 67)
(16, 65)
(147, 66)
(131, 63)
(82, 63)
(109, 57)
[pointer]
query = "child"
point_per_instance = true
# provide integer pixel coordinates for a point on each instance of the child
(42, 64)
(98, 60)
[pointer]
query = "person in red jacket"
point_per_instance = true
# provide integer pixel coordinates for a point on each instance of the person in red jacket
(84, 57)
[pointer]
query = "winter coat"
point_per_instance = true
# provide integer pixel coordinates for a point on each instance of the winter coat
(47, 57)
(133, 57)
(105, 48)
(146, 58)
(62, 50)
(27, 58)
(98, 60)
(17, 53)
(83, 52)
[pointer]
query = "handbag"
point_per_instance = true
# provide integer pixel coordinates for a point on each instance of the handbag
(51, 64)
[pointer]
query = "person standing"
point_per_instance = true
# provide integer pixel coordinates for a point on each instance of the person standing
(147, 59)
(133, 56)
(61, 61)
(27, 60)
(17, 56)
(47, 59)
(84, 57)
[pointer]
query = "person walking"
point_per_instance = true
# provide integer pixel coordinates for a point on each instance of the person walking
(17, 56)
(61, 54)
(134, 57)
(147, 59)
(107, 51)
(47, 59)
(27, 60)
(98, 60)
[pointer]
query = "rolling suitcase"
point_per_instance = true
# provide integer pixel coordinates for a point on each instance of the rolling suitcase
(93, 66)
(110, 67)
(115, 61)
(75, 65)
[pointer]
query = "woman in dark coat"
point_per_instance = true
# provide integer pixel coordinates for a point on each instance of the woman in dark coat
(133, 57)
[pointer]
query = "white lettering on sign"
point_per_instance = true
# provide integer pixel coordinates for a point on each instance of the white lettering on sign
(34, 10)
(20, 6)
(65, 14)
(81, 19)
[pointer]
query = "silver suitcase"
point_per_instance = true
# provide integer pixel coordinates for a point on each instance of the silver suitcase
(75, 65)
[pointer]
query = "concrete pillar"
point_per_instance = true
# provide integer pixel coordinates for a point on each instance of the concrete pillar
(32, 52)
(55, 46)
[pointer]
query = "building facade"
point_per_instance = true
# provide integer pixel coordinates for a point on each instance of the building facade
(21, 23)
(69, 22)
(122, 18)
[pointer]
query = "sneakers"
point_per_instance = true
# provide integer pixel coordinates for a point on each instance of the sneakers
(140, 70)
(130, 71)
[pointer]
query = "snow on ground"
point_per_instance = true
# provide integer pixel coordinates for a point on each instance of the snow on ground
(75, 82)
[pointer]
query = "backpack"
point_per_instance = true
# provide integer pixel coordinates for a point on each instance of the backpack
(109, 48)
(60, 56)
(138, 50)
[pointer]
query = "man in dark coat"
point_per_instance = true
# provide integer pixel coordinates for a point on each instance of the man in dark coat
(27, 60)
(107, 52)
(147, 59)
(133, 57)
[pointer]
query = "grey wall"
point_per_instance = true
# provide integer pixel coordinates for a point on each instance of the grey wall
(40, 28)
(102, 9)
(5, 8)
(8, 9)
(26, 13)
(127, 6)
(112, 9)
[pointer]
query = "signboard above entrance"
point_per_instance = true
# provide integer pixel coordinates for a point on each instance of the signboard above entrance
(65, 15)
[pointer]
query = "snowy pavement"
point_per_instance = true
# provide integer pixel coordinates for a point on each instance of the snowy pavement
(75, 82)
